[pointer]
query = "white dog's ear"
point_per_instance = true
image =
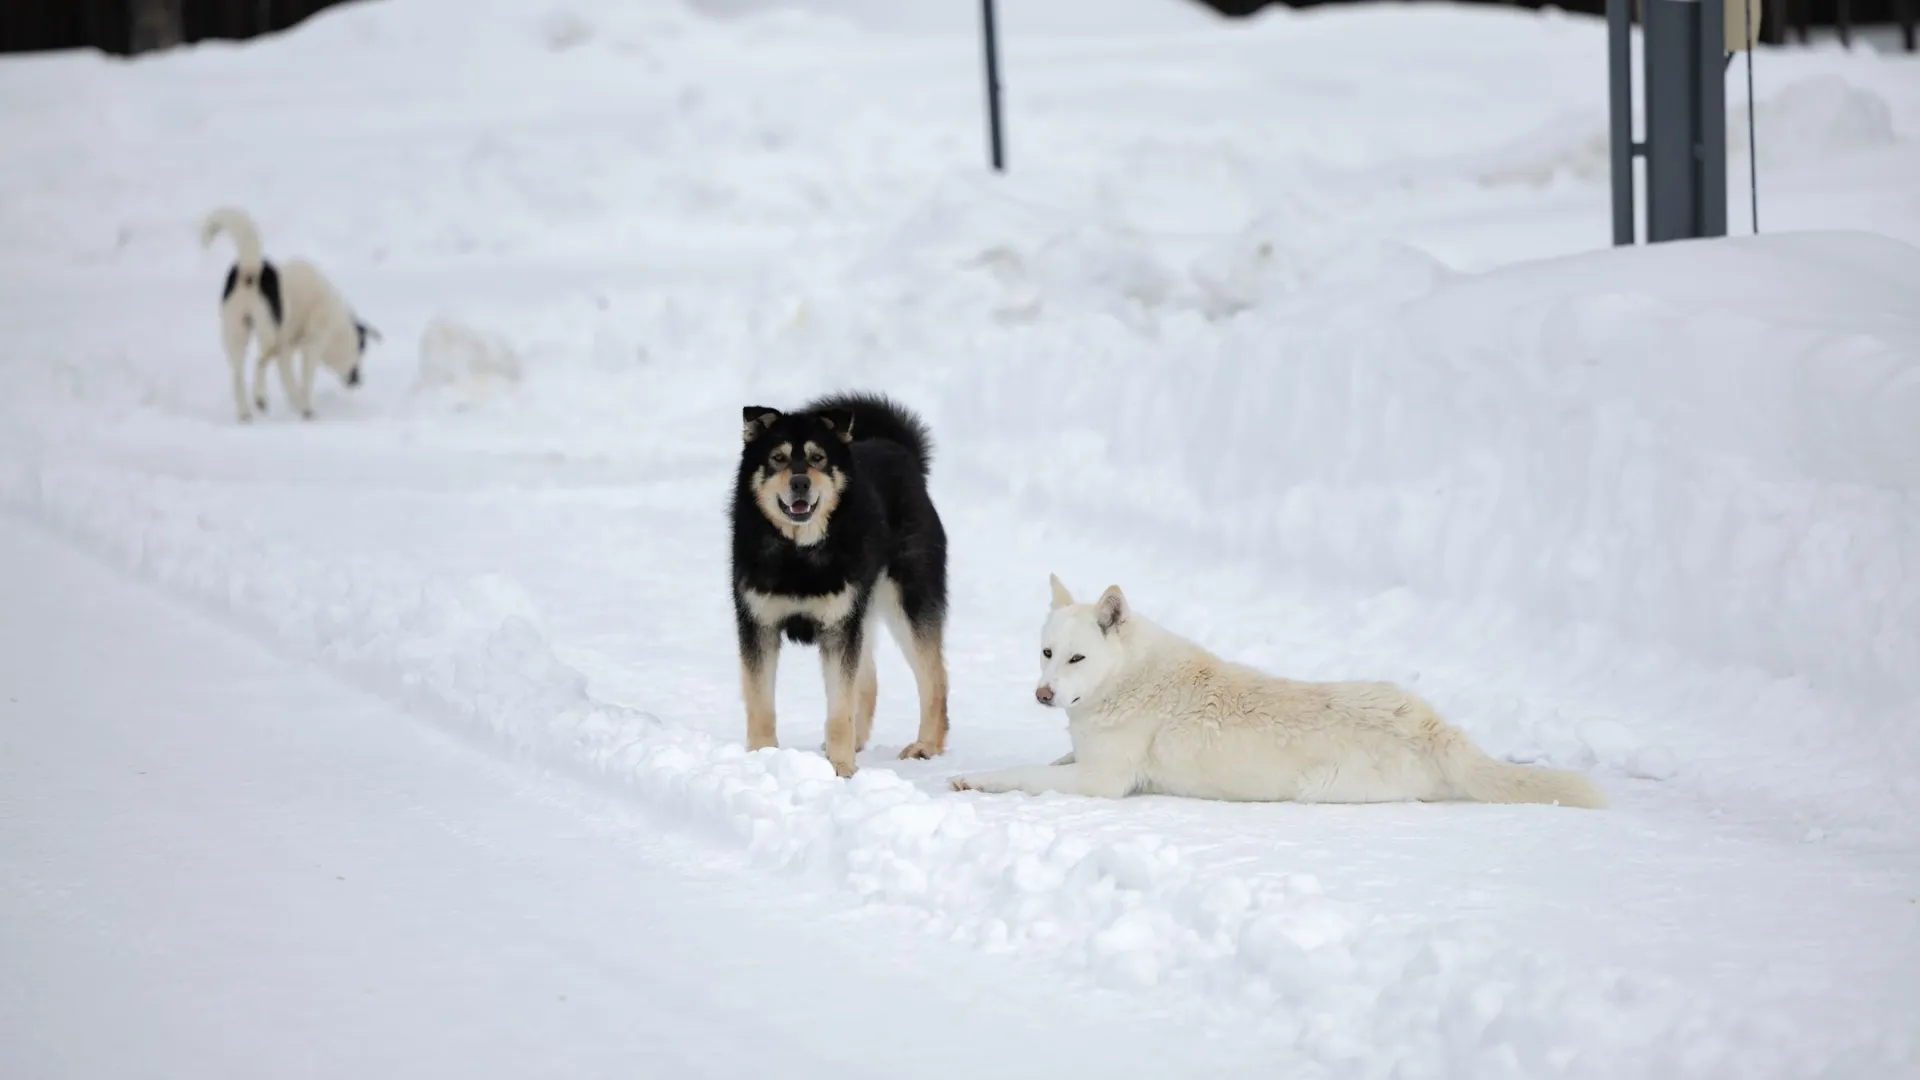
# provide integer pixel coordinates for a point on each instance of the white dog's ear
(1061, 597)
(1113, 609)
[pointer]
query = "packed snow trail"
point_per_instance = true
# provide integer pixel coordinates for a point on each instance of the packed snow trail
(216, 862)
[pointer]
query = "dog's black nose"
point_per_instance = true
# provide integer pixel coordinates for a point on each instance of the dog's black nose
(801, 484)
(353, 377)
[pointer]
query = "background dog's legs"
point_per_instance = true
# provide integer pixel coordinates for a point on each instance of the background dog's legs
(233, 335)
(283, 361)
(759, 665)
(260, 381)
(840, 666)
(866, 694)
(306, 385)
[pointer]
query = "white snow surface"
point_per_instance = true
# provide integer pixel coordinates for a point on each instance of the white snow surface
(1300, 328)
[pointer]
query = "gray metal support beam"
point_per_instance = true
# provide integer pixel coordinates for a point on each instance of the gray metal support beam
(1620, 114)
(1686, 103)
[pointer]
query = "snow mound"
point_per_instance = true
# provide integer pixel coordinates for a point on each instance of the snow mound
(1607, 474)
(463, 362)
(1812, 120)
(1281, 255)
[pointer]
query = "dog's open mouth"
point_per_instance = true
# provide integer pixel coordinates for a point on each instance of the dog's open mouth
(798, 510)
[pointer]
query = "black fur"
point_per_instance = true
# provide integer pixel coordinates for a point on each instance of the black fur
(269, 288)
(884, 523)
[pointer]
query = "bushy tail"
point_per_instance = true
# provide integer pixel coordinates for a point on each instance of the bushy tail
(876, 417)
(1483, 779)
(235, 223)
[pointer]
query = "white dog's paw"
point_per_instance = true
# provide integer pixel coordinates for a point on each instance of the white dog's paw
(959, 783)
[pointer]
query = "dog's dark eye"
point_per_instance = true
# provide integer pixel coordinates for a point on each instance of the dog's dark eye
(1075, 658)
(779, 461)
(1048, 653)
(818, 461)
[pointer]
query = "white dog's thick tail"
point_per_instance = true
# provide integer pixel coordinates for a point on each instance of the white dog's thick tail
(1483, 779)
(235, 223)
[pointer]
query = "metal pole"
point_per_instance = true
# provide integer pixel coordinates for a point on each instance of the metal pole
(1669, 52)
(1620, 114)
(993, 86)
(1710, 117)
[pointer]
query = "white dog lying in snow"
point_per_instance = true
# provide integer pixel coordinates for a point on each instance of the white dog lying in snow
(290, 309)
(1150, 712)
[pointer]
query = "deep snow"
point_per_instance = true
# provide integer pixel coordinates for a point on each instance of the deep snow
(1294, 328)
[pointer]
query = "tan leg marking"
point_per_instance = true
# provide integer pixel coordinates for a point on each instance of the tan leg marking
(930, 672)
(841, 695)
(756, 687)
(866, 695)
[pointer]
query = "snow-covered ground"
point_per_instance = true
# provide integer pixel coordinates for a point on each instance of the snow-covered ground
(1299, 328)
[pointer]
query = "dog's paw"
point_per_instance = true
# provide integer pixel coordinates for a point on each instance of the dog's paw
(959, 783)
(844, 769)
(306, 414)
(919, 751)
(260, 405)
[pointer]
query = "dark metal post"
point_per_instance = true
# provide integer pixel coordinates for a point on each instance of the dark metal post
(1620, 114)
(993, 86)
(1686, 101)
(1667, 28)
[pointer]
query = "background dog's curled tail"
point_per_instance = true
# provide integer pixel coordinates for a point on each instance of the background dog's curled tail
(877, 417)
(1483, 779)
(235, 223)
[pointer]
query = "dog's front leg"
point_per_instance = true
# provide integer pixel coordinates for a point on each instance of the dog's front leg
(840, 664)
(1040, 779)
(759, 663)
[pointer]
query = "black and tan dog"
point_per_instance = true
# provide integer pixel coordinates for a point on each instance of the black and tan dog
(832, 527)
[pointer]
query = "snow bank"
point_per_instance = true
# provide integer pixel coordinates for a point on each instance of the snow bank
(1707, 446)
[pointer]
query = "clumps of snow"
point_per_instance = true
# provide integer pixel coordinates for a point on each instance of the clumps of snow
(1812, 120)
(464, 363)
(562, 29)
(1280, 255)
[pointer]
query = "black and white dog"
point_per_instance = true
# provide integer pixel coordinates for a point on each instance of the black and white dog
(290, 308)
(832, 527)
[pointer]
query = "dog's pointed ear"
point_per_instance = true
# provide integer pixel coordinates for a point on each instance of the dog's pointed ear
(1061, 597)
(756, 419)
(1113, 609)
(840, 421)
